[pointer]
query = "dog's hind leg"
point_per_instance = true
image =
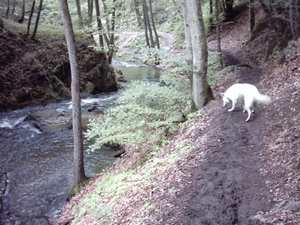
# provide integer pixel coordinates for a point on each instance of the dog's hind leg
(249, 114)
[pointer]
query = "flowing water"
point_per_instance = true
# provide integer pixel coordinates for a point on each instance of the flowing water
(36, 166)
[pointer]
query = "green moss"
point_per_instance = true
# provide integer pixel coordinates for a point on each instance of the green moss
(272, 43)
(258, 28)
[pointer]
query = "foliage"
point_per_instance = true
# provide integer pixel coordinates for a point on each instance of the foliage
(144, 112)
(179, 64)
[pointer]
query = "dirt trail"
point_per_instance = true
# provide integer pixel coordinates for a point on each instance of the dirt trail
(220, 181)
(226, 187)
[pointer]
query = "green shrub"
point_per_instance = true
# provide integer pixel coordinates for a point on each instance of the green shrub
(144, 112)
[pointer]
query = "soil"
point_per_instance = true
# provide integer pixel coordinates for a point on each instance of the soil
(237, 172)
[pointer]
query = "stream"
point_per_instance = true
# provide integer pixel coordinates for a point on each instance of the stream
(36, 166)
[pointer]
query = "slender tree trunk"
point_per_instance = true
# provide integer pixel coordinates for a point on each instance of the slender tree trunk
(99, 24)
(106, 15)
(146, 17)
(211, 16)
(251, 15)
(7, 10)
(90, 12)
(79, 174)
(80, 24)
(153, 24)
(218, 34)
(294, 18)
(102, 36)
(13, 9)
(146, 25)
(37, 20)
(228, 9)
(137, 13)
(21, 18)
(111, 39)
(30, 17)
(197, 47)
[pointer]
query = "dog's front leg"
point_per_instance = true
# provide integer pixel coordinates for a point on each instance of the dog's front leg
(232, 107)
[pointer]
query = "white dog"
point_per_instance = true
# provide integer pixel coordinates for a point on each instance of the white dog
(246, 92)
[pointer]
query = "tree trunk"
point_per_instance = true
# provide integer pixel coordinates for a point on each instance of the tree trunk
(79, 174)
(7, 10)
(80, 24)
(294, 18)
(197, 47)
(102, 36)
(228, 10)
(137, 13)
(30, 17)
(153, 24)
(37, 20)
(99, 24)
(211, 16)
(106, 15)
(111, 39)
(13, 9)
(251, 15)
(146, 18)
(90, 12)
(219, 50)
(21, 18)
(146, 25)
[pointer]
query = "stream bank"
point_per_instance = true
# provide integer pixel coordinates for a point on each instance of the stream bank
(37, 151)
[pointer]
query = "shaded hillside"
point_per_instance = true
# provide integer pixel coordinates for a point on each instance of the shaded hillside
(38, 71)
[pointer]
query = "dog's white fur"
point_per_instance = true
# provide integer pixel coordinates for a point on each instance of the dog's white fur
(246, 92)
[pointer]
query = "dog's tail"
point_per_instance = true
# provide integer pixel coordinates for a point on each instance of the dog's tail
(264, 99)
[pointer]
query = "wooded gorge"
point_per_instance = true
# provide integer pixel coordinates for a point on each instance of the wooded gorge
(183, 159)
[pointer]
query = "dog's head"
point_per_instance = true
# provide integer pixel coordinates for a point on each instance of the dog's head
(225, 99)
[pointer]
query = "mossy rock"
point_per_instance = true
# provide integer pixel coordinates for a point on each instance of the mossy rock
(258, 28)
(272, 44)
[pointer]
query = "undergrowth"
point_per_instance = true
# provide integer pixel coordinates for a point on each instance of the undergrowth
(145, 112)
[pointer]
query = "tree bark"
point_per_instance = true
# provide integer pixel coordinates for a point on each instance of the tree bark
(251, 15)
(153, 24)
(7, 10)
(90, 12)
(80, 24)
(197, 49)
(30, 17)
(146, 18)
(146, 26)
(37, 20)
(211, 16)
(79, 174)
(137, 13)
(112, 35)
(219, 50)
(21, 18)
(13, 9)
(106, 15)
(102, 36)
(294, 18)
